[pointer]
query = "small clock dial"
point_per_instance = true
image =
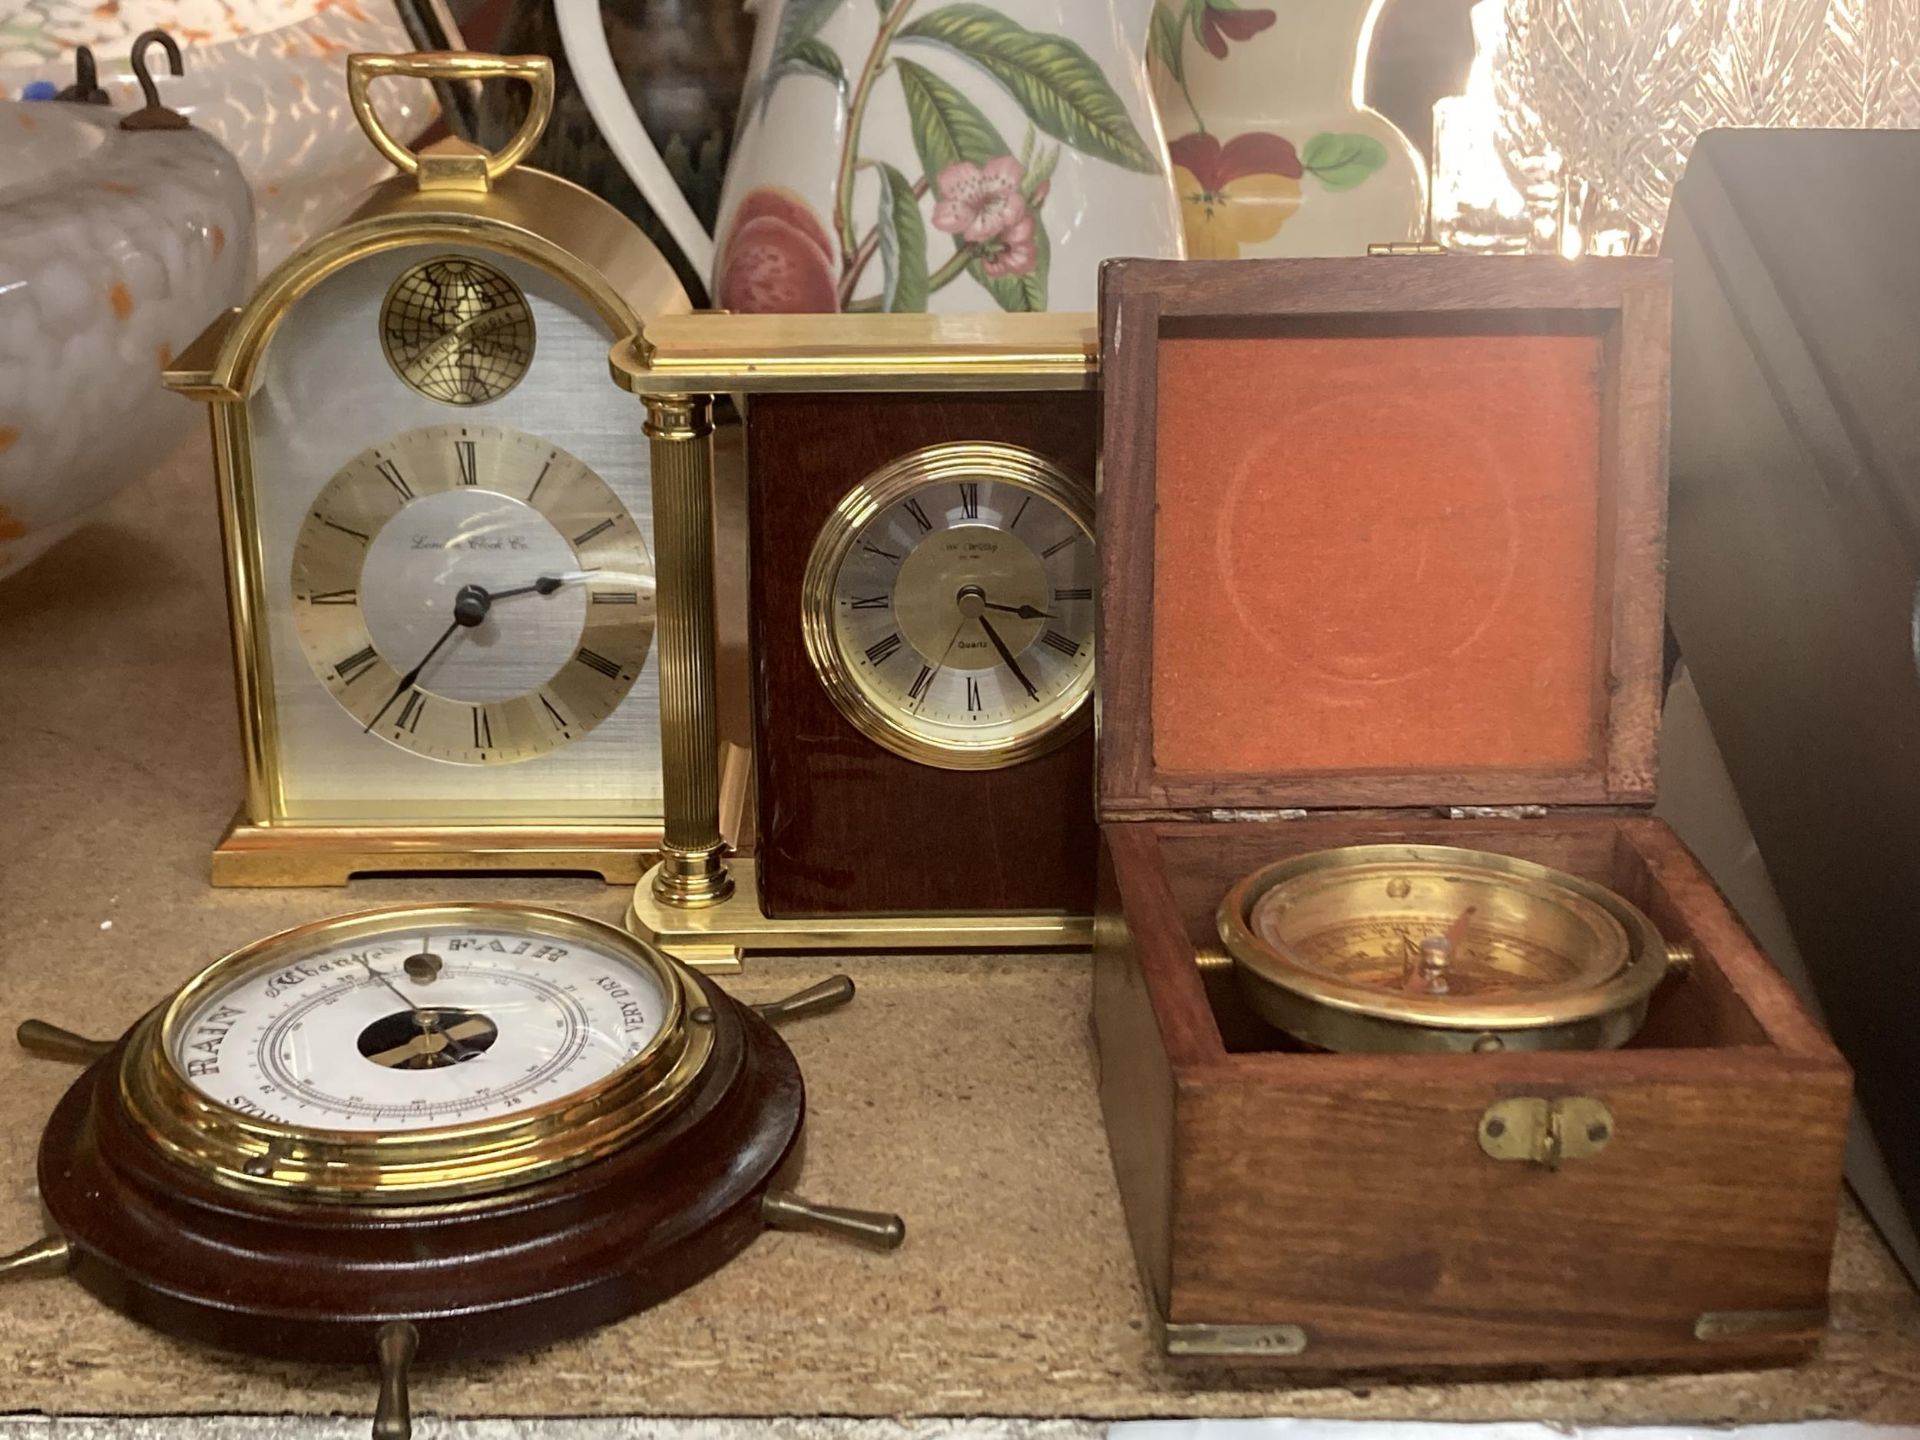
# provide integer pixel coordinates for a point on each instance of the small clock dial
(950, 606)
(472, 594)
(457, 330)
(404, 1031)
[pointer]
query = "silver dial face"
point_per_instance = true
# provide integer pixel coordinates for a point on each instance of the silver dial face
(962, 619)
(472, 594)
(409, 1030)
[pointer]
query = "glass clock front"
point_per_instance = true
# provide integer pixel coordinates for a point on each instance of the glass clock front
(456, 532)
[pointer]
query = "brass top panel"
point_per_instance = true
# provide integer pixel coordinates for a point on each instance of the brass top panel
(715, 352)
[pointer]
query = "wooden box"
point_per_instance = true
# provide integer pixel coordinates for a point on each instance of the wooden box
(1381, 547)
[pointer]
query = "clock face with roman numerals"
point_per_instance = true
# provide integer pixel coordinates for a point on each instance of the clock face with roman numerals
(949, 606)
(472, 594)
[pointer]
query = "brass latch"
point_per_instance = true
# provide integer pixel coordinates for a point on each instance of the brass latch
(1546, 1132)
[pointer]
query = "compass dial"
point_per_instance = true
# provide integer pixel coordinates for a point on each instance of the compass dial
(457, 330)
(435, 1025)
(1432, 947)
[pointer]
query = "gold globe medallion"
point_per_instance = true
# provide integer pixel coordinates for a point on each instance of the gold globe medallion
(457, 330)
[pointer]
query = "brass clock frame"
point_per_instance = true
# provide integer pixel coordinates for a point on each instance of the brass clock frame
(460, 196)
(1002, 464)
(700, 903)
(447, 1162)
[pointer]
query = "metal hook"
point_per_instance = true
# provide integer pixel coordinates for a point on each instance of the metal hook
(153, 115)
(85, 89)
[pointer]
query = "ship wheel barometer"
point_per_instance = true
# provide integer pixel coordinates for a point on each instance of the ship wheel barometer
(438, 1132)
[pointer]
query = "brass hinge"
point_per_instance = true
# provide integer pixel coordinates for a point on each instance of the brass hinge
(1233, 1342)
(1546, 1132)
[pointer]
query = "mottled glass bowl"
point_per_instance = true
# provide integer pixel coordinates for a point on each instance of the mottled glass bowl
(117, 247)
(266, 78)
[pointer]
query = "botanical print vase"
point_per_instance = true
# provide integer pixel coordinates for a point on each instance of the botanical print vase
(947, 155)
(1274, 150)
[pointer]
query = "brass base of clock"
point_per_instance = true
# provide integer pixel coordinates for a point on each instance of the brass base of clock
(298, 855)
(718, 937)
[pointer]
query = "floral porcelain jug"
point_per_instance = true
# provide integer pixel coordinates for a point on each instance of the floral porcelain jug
(928, 155)
(1274, 149)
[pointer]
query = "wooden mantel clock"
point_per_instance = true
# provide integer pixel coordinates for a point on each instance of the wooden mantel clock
(1423, 1045)
(921, 562)
(438, 522)
(438, 1132)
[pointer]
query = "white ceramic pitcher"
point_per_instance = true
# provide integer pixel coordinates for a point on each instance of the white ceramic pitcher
(903, 155)
(1275, 149)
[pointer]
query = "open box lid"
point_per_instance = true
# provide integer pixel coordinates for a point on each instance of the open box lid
(1381, 533)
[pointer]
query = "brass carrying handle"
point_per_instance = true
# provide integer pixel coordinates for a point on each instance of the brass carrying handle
(536, 70)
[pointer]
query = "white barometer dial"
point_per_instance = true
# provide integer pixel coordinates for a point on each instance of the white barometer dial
(397, 1031)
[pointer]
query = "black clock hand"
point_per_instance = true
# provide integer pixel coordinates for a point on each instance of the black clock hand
(545, 585)
(1025, 612)
(1006, 657)
(368, 966)
(469, 609)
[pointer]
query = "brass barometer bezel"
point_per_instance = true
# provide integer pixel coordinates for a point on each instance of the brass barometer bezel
(442, 1163)
(1600, 1006)
(1003, 464)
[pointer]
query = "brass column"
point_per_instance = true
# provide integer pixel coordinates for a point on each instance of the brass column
(680, 431)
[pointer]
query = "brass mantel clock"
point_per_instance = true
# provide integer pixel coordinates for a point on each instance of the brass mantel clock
(438, 523)
(921, 543)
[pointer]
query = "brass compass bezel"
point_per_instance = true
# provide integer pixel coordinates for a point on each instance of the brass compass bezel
(442, 1163)
(1001, 463)
(1600, 1012)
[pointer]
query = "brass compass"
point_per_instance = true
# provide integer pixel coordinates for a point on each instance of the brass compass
(443, 1130)
(1431, 947)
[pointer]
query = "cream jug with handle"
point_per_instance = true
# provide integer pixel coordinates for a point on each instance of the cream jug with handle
(955, 155)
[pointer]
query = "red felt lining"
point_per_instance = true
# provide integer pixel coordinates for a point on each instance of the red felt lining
(1376, 551)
